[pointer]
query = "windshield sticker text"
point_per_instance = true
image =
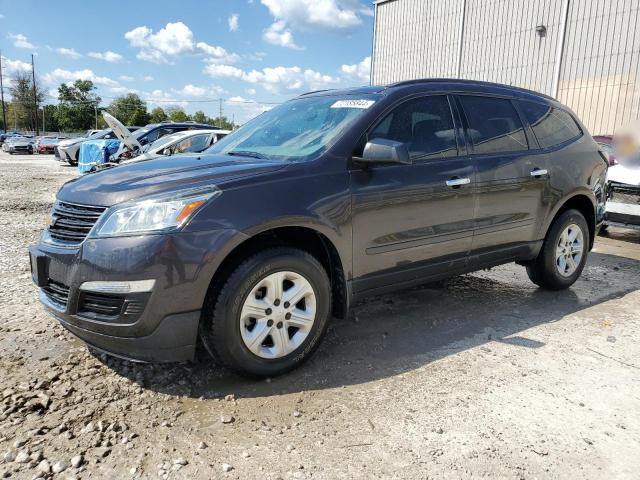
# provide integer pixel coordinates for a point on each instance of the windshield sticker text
(353, 104)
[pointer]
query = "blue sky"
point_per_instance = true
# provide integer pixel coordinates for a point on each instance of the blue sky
(180, 52)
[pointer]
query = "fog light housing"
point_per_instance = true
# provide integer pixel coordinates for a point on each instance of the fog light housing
(136, 286)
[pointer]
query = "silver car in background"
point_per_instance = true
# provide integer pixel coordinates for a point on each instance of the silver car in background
(19, 145)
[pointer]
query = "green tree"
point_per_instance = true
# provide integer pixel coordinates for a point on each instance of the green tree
(21, 91)
(77, 105)
(221, 122)
(49, 116)
(200, 117)
(130, 109)
(177, 114)
(157, 115)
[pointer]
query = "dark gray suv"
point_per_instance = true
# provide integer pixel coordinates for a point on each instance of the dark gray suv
(255, 244)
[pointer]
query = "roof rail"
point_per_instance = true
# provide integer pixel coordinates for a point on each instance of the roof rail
(467, 82)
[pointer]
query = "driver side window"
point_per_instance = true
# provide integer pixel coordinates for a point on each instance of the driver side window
(424, 125)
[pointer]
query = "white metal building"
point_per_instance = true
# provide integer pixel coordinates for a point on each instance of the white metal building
(586, 53)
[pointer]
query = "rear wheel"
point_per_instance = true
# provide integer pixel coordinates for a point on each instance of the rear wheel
(270, 315)
(564, 253)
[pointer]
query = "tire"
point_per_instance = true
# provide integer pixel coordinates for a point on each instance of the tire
(545, 270)
(225, 325)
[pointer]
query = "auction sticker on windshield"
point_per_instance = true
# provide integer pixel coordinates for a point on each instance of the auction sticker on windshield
(353, 104)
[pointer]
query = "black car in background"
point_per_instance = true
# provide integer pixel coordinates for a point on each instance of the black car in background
(328, 198)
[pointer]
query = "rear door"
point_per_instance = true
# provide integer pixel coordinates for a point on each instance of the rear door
(411, 222)
(512, 178)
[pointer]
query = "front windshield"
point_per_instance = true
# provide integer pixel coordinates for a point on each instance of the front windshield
(296, 129)
(141, 132)
(165, 140)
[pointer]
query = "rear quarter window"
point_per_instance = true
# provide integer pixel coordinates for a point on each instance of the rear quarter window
(551, 126)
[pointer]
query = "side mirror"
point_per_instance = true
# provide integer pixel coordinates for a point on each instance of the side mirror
(382, 150)
(166, 151)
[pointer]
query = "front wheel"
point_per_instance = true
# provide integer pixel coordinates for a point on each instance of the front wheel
(563, 254)
(270, 315)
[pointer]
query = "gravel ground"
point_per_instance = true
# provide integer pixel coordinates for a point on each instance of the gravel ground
(482, 376)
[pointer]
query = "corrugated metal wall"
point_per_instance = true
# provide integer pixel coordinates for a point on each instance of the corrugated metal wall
(600, 59)
(418, 39)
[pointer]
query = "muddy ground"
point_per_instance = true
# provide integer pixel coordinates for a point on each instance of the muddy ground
(483, 376)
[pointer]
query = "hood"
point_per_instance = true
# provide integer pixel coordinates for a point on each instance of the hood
(625, 173)
(121, 131)
(71, 141)
(165, 174)
(21, 142)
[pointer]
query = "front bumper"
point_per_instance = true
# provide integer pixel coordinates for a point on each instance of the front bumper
(156, 326)
(623, 205)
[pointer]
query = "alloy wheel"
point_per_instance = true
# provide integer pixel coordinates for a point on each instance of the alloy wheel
(569, 250)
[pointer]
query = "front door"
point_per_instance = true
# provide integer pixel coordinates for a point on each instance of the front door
(413, 222)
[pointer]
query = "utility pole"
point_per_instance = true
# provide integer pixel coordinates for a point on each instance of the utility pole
(95, 108)
(4, 109)
(44, 128)
(220, 111)
(35, 96)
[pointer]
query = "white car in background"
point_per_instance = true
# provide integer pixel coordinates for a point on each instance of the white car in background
(69, 150)
(187, 141)
(19, 144)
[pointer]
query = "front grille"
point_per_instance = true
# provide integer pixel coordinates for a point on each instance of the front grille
(56, 153)
(98, 304)
(57, 292)
(71, 223)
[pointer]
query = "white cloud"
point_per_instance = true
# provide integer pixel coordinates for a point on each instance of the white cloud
(123, 90)
(69, 52)
(173, 39)
(146, 78)
(108, 56)
(163, 99)
(126, 78)
(279, 34)
(60, 75)
(20, 41)
(251, 91)
(359, 71)
(301, 15)
(215, 70)
(13, 66)
(233, 22)
(216, 54)
(195, 91)
(278, 80)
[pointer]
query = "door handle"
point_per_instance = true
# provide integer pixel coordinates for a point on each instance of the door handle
(456, 182)
(538, 172)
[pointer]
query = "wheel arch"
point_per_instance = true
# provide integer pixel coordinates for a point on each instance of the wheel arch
(303, 237)
(584, 202)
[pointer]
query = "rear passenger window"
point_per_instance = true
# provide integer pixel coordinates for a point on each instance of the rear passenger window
(424, 124)
(494, 125)
(551, 126)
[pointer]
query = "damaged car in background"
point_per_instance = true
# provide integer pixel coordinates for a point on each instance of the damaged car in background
(69, 150)
(623, 180)
(188, 141)
(133, 144)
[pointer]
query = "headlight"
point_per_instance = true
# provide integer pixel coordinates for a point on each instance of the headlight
(153, 214)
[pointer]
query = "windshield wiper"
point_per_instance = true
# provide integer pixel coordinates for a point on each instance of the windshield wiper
(246, 153)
